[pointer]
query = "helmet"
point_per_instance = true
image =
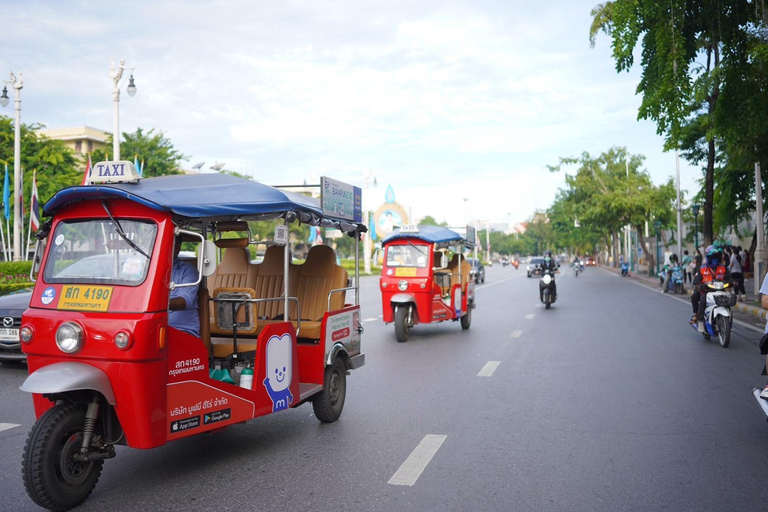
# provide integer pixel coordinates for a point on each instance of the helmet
(714, 255)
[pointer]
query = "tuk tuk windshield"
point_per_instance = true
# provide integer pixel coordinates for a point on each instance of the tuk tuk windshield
(407, 256)
(95, 252)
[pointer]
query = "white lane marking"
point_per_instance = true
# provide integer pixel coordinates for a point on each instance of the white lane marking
(529, 317)
(380, 316)
(8, 426)
(489, 368)
(515, 334)
(372, 319)
(417, 461)
(687, 300)
(484, 286)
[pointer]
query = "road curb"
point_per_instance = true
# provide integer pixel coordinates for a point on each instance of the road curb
(744, 308)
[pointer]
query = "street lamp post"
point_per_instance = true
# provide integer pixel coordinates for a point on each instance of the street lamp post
(695, 209)
(116, 74)
(657, 227)
(17, 84)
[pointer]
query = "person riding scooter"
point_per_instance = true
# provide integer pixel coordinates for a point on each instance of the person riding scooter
(549, 265)
(673, 262)
(713, 269)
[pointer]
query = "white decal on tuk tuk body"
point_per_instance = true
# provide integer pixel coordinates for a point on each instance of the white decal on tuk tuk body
(343, 327)
(457, 301)
(279, 371)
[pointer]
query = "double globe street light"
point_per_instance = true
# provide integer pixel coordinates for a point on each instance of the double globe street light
(17, 84)
(116, 73)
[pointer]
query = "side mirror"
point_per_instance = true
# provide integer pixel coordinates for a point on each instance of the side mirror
(208, 257)
(443, 262)
(37, 260)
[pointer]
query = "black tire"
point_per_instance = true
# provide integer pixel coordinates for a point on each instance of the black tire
(679, 288)
(547, 299)
(52, 479)
(466, 320)
(329, 403)
(401, 324)
(724, 331)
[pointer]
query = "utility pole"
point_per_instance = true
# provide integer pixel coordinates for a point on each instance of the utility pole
(760, 250)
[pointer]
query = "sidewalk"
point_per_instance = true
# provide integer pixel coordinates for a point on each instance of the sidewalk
(751, 305)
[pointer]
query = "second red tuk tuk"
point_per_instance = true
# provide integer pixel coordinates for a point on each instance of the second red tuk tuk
(425, 278)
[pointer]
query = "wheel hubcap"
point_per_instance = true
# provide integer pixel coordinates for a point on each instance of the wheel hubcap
(73, 472)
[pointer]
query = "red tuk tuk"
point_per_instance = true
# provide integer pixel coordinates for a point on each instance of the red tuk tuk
(420, 284)
(106, 367)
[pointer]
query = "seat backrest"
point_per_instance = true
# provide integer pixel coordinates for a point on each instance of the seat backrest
(234, 269)
(270, 282)
(453, 267)
(316, 278)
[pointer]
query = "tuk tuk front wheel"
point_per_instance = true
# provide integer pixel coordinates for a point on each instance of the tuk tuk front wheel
(401, 324)
(466, 320)
(52, 478)
(329, 403)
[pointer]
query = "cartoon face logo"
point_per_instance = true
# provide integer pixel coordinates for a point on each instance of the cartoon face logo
(279, 361)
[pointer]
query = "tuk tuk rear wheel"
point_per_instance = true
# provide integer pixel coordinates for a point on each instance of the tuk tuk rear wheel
(329, 403)
(466, 320)
(52, 478)
(401, 324)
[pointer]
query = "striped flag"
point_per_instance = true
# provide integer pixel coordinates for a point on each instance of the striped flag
(87, 173)
(34, 213)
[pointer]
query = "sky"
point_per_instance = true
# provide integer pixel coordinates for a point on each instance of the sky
(459, 106)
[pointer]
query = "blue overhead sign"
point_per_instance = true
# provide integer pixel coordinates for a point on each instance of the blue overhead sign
(340, 200)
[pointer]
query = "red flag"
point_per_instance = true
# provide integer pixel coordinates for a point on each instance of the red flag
(87, 170)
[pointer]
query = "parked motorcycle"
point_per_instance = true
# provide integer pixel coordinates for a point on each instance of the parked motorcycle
(717, 314)
(547, 293)
(625, 270)
(675, 283)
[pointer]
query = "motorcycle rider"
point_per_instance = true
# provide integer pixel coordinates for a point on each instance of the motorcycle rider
(713, 269)
(673, 262)
(577, 264)
(551, 265)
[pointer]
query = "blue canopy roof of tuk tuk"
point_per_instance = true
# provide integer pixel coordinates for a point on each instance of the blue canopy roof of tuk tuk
(431, 234)
(204, 196)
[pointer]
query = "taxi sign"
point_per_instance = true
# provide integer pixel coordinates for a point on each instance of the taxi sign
(120, 171)
(409, 228)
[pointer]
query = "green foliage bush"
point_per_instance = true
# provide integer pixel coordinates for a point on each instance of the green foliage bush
(14, 275)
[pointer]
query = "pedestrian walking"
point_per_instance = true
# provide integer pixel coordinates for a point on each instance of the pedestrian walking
(737, 274)
(687, 263)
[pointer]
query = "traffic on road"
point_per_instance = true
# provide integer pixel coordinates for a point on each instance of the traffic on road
(585, 405)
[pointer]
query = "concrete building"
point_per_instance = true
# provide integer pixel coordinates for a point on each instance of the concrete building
(81, 139)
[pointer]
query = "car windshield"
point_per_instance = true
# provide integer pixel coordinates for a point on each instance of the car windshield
(407, 256)
(537, 261)
(95, 251)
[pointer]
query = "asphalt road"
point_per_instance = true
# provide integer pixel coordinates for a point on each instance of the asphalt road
(608, 401)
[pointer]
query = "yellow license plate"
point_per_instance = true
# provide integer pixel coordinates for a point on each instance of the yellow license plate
(405, 272)
(85, 298)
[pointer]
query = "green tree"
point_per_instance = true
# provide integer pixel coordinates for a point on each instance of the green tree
(54, 163)
(430, 221)
(157, 153)
(694, 53)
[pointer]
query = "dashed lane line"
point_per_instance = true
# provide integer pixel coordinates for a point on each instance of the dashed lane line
(489, 368)
(529, 317)
(372, 319)
(410, 471)
(8, 426)
(515, 334)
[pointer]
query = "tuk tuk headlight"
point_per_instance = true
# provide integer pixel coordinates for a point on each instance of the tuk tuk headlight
(402, 285)
(69, 337)
(123, 340)
(26, 333)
